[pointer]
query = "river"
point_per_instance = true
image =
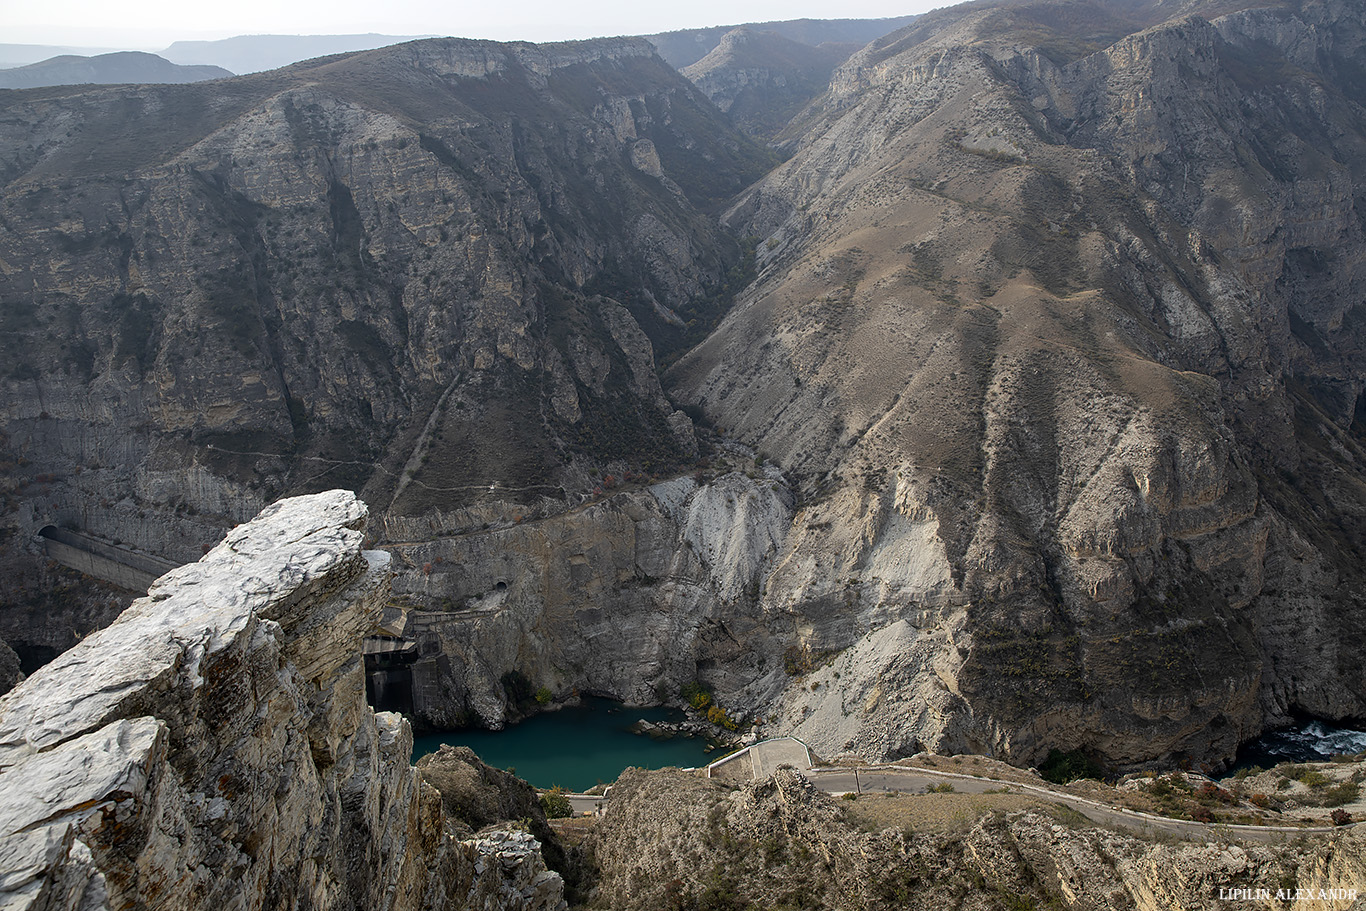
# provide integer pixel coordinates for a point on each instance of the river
(1306, 741)
(577, 746)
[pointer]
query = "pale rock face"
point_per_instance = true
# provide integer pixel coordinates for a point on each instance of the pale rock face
(645, 159)
(619, 598)
(509, 873)
(892, 691)
(212, 747)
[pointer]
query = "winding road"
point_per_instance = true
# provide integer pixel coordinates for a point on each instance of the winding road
(888, 779)
(838, 780)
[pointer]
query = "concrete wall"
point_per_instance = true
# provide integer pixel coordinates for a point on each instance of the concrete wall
(122, 567)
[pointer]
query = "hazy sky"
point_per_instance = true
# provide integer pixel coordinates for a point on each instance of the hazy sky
(152, 25)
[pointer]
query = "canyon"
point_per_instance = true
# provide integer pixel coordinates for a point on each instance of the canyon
(1006, 396)
(212, 747)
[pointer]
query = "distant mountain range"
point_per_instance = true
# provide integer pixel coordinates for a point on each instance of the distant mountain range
(12, 55)
(687, 46)
(257, 53)
(795, 59)
(109, 69)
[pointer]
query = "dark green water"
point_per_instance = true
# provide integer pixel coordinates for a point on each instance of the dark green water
(576, 747)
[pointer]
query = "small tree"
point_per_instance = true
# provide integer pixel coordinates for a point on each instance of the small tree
(556, 804)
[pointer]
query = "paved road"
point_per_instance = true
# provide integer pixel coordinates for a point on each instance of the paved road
(881, 780)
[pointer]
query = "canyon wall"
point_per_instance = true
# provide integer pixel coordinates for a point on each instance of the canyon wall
(1057, 332)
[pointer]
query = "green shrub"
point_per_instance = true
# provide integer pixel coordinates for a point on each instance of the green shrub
(942, 788)
(1313, 778)
(543, 695)
(556, 804)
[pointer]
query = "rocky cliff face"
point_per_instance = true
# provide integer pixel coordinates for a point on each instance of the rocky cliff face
(438, 273)
(213, 747)
(627, 597)
(422, 270)
(762, 79)
(1057, 328)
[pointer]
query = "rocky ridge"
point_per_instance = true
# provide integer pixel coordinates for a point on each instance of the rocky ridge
(672, 840)
(685, 47)
(213, 747)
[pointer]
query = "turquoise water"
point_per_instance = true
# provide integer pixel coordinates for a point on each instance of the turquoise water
(576, 747)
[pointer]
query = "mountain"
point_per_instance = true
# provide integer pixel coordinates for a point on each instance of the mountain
(12, 55)
(1058, 331)
(438, 273)
(1020, 408)
(762, 79)
(685, 47)
(255, 53)
(109, 69)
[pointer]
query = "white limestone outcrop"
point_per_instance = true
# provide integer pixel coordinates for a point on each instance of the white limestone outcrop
(213, 747)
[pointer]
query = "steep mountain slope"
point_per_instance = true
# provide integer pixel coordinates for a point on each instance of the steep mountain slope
(1059, 327)
(762, 79)
(121, 67)
(432, 272)
(1056, 333)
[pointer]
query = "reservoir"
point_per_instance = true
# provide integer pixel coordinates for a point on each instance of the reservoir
(577, 746)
